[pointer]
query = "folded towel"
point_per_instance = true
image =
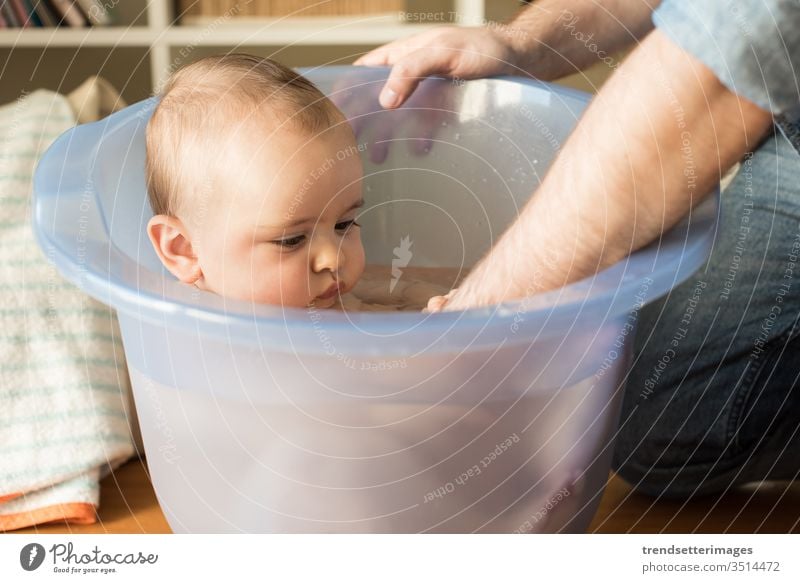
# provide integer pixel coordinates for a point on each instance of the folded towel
(64, 389)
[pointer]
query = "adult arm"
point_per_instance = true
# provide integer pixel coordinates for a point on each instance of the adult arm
(547, 40)
(652, 144)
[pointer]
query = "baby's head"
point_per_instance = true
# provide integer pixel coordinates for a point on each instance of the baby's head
(254, 178)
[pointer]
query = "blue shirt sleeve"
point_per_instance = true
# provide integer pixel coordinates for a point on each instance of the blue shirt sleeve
(752, 46)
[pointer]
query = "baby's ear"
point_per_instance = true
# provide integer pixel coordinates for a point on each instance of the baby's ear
(171, 241)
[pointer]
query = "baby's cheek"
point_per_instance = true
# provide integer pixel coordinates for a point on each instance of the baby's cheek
(294, 284)
(277, 280)
(356, 258)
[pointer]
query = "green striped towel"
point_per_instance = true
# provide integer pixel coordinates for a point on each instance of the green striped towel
(64, 388)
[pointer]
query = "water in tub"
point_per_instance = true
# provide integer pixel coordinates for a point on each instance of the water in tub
(407, 289)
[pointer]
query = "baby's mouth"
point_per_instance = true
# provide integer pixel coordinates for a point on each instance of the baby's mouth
(333, 291)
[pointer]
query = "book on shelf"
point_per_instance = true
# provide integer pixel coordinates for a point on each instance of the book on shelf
(67, 13)
(20, 14)
(50, 13)
(95, 12)
(8, 14)
(46, 17)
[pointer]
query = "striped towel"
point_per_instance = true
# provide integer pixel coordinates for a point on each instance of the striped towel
(64, 388)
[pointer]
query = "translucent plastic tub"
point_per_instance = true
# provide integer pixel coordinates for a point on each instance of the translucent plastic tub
(263, 419)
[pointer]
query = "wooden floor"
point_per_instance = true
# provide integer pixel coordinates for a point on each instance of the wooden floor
(128, 505)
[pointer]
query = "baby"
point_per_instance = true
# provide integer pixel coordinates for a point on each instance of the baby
(254, 179)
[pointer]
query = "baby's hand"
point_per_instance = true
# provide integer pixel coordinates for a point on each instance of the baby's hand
(437, 303)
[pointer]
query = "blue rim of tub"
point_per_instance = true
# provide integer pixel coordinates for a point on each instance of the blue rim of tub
(234, 318)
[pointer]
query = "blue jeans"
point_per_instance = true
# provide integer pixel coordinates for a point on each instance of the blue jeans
(713, 396)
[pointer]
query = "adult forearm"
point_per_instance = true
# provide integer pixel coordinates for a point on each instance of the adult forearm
(553, 38)
(653, 143)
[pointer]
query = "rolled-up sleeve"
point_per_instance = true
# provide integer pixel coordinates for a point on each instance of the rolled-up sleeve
(752, 46)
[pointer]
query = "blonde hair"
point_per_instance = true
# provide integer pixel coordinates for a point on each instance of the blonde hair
(195, 111)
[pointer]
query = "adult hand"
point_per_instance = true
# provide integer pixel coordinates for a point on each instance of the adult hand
(451, 51)
(438, 303)
(429, 109)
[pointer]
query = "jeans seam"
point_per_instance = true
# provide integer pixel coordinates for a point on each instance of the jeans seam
(683, 467)
(778, 210)
(732, 436)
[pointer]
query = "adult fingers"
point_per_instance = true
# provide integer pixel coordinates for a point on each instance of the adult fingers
(408, 71)
(391, 52)
(376, 58)
(381, 140)
(435, 304)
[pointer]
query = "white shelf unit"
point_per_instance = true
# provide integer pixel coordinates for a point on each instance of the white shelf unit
(152, 30)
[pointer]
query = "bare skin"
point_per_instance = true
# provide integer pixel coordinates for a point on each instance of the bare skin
(540, 41)
(620, 180)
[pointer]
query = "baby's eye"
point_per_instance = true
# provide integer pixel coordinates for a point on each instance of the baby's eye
(344, 225)
(291, 241)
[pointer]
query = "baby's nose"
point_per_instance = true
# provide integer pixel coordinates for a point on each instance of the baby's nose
(328, 255)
